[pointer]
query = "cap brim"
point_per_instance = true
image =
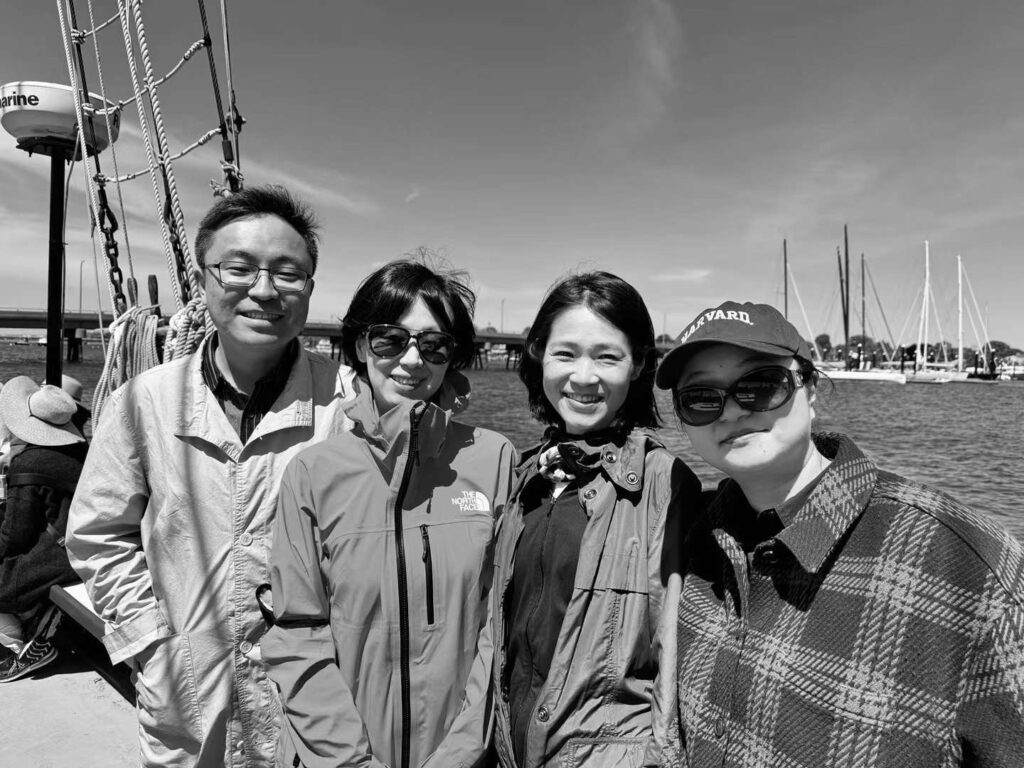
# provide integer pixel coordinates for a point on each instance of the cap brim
(673, 363)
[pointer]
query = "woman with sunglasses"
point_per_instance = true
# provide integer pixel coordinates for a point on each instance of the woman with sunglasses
(830, 612)
(578, 566)
(381, 563)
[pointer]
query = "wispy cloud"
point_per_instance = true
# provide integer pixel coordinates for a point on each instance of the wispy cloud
(414, 192)
(656, 39)
(692, 275)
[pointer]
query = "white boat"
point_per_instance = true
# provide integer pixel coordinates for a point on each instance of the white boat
(870, 374)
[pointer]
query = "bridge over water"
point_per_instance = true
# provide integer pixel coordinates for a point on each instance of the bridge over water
(77, 322)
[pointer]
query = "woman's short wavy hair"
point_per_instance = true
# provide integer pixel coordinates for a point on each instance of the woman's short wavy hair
(616, 301)
(388, 293)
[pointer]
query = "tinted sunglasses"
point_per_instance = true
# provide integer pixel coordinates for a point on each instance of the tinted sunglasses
(763, 389)
(389, 341)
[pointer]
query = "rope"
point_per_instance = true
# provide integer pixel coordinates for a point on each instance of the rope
(194, 145)
(132, 351)
(80, 36)
(162, 144)
(187, 328)
(179, 290)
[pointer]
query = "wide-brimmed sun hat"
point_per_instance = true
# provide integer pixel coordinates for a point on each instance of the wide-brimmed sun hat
(757, 327)
(39, 415)
(73, 387)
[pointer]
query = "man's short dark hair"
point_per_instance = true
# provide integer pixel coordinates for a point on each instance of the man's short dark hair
(259, 201)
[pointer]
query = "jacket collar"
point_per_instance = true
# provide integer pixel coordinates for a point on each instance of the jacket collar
(618, 455)
(833, 506)
(387, 434)
(196, 410)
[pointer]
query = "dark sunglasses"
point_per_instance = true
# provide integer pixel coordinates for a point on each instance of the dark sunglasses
(763, 389)
(392, 340)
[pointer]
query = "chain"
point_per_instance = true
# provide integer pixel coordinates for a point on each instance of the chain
(108, 226)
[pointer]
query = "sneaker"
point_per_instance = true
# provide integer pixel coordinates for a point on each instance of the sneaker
(35, 656)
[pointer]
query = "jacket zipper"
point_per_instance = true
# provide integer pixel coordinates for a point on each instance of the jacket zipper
(403, 584)
(428, 569)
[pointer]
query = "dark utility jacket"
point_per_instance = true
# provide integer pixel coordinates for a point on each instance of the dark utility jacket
(595, 708)
(41, 482)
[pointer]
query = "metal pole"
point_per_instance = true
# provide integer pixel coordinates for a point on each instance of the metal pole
(80, 265)
(785, 280)
(55, 284)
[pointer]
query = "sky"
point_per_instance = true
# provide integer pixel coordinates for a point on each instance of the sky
(676, 144)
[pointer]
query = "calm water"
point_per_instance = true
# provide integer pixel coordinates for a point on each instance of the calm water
(967, 439)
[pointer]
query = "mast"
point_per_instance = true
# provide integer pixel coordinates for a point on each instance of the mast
(960, 313)
(922, 328)
(863, 314)
(846, 314)
(785, 280)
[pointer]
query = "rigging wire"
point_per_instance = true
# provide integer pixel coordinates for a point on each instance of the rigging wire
(113, 150)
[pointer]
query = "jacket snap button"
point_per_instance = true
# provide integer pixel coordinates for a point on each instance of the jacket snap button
(543, 714)
(245, 539)
(720, 727)
(245, 646)
(589, 493)
(632, 478)
(611, 458)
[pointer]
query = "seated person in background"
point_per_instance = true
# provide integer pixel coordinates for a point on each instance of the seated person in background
(830, 613)
(44, 462)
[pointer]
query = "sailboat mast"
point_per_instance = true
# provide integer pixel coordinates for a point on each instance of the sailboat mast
(922, 328)
(863, 313)
(846, 302)
(959, 313)
(785, 280)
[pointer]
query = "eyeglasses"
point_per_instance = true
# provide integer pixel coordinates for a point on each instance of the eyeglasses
(763, 389)
(241, 274)
(392, 340)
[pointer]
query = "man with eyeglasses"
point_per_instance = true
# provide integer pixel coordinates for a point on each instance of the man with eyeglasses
(170, 526)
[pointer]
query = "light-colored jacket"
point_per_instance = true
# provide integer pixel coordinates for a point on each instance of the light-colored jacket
(170, 530)
(595, 707)
(381, 576)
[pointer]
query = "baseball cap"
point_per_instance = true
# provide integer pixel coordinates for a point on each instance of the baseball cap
(757, 327)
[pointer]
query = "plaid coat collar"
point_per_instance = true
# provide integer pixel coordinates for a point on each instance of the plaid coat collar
(812, 531)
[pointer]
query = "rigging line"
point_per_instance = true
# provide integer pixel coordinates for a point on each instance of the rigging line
(225, 129)
(178, 288)
(803, 312)
(65, 34)
(938, 325)
(194, 145)
(906, 321)
(878, 301)
(182, 254)
(80, 36)
(113, 150)
(236, 119)
(189, 53)
(981, 320)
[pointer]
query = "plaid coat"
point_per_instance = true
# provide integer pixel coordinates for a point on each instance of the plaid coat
(883, 626)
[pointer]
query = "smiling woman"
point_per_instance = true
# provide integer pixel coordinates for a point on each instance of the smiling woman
(390, 527)
(579, 558)
(845, 566)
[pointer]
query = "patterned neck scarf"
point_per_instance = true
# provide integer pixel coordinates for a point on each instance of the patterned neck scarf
(566, 457)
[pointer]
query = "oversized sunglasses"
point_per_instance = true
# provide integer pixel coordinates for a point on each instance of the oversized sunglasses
(392, 340)
(763, 389)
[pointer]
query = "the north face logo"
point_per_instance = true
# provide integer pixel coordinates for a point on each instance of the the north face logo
(472, 501)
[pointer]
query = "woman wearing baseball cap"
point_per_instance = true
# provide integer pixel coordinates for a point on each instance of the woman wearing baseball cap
(830, 612)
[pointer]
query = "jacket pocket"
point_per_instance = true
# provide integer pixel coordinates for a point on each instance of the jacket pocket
(604, 752)
(428, 573)
(167, 701)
